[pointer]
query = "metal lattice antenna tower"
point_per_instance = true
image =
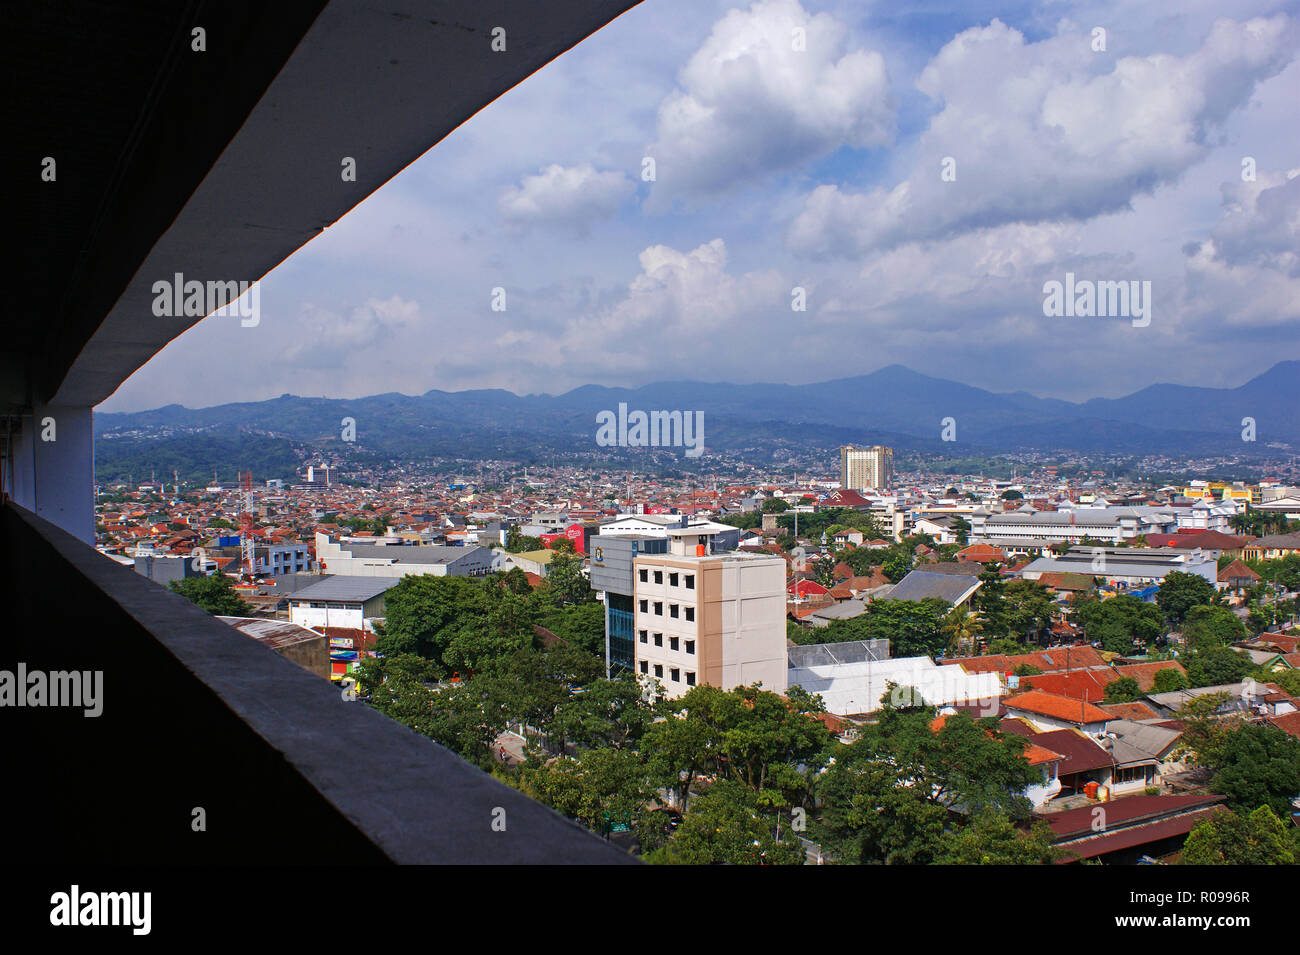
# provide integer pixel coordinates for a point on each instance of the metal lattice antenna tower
(246, 522)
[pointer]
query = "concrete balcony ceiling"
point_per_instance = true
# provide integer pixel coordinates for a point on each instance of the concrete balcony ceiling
(220, 164)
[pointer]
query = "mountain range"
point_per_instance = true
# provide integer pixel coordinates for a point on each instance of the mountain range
(894, 405)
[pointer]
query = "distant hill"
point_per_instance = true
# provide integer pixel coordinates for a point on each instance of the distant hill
(893, 405)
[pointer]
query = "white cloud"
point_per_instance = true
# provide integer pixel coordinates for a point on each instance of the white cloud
(680, 300)
(750, 105)
(327, 339)
(568, 196)
(1247, 272)
(1048, 131)
(1261, 223)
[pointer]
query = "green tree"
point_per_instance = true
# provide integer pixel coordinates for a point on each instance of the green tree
(896, 565)
(423, 614)
(1288, 680)
(961, 527)
(1180, 592)
(728, 825)
(532, 687)
(1169, 680)
(990, 600)
(1216, 666)
(1258, 766)
(990, 839)
(1028, 608)
(912, 627)
(759, 739)
(403, 687)
(516, 581)
(1205, 728)
(596, 787)
(607, 713)
(1122, 624)
(582, 625)
(888, 795)
(565, 581)
(1255, 838)
(1206, 626)
(774, 505)
(962, 627)
(873, 814)
(1123, 690)
(215, 594)
(517, 543)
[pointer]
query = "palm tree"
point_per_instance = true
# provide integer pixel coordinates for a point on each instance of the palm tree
(1240, 522)
(962, 626)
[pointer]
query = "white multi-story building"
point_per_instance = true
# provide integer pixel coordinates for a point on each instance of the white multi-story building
(352, 559)
(1109, 524)
(709, 618)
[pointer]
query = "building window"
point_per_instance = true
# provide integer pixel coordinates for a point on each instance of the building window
(659, 670)
(645, 636)
(690, 581)
(690, 613)
(673, 611)
(673, 643)
(659, 639)
(659, 608)
(645, 606)
(645, 667)
(675, 675)
(690, 678)
(672, 580)
(690, 646)
(645, 576)
(659, 576)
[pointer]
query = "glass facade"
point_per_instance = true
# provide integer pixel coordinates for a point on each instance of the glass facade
(619, 618)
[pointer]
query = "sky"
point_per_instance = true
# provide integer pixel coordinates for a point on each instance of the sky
(912, 178)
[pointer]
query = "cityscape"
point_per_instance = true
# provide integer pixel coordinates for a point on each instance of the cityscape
(1123, 623)
(645, 433)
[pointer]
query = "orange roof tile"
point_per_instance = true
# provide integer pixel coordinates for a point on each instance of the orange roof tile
(1058, 707)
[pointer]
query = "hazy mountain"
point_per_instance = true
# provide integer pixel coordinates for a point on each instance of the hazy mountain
(894, 404)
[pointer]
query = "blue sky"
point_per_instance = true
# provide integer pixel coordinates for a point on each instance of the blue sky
(819, 168)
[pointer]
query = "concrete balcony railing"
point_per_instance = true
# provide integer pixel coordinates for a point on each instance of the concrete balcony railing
(198, 717)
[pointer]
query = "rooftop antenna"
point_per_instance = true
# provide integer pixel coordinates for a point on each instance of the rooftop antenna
(246, 521)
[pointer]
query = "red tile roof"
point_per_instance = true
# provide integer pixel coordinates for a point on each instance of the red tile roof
(1079, 753)
(1139, 834)
(807, 588)
(1145, 673)
(982, 553)
(1061, 708)
(1073, 823)
(1209, 540)
(1236, 571)
(1059, 658)
(1089, 685)
(1287, 723)
(1135, 711)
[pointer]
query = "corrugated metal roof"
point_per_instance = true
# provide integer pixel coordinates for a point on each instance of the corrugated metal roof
(345, 588)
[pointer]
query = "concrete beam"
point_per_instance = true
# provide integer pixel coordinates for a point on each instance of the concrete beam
(368, 82)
